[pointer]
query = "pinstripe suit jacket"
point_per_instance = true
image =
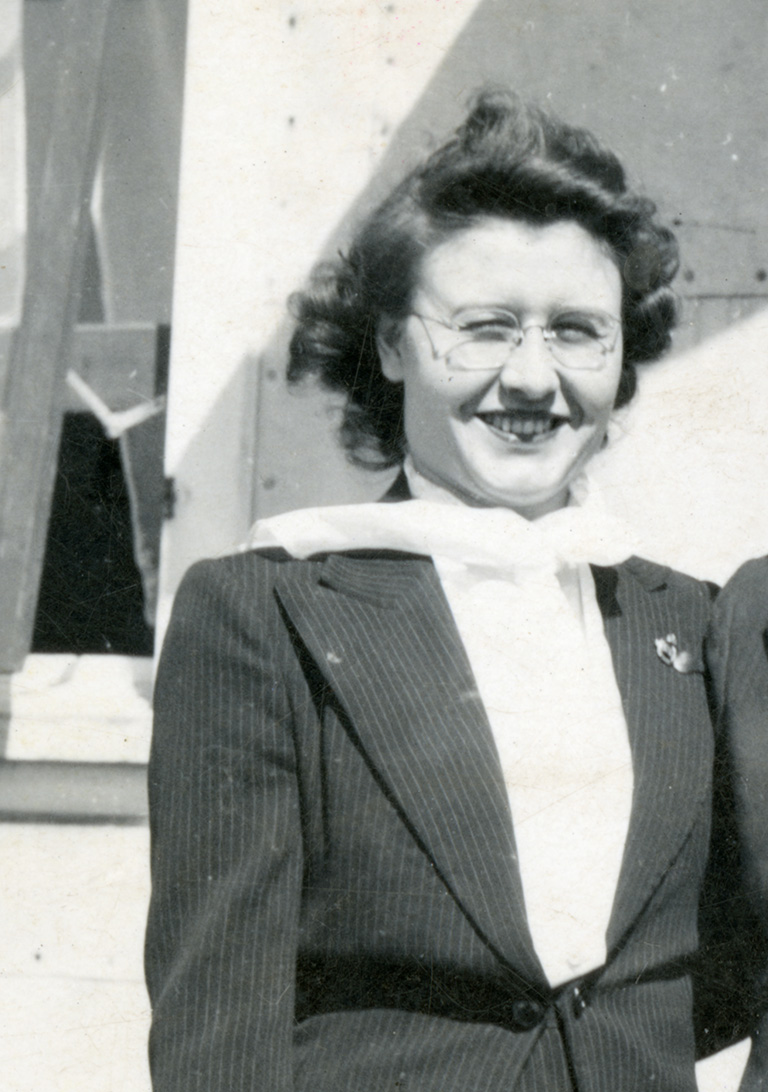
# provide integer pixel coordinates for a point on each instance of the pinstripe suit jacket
(738, 659)
(336, 904)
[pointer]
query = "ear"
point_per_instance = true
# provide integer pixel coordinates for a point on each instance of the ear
(388, 347)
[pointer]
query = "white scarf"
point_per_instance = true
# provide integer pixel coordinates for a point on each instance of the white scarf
(524, 603)
(492, 538)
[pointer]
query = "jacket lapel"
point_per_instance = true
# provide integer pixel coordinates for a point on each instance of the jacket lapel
(382, 632)
(668, 722)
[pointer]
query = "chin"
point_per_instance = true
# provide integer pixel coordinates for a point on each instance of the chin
(529, 503)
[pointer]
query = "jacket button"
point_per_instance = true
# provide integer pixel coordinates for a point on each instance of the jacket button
(578, 1003)
(526, 1014)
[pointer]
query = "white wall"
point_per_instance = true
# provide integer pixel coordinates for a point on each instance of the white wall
(296, 116)
(288, 110)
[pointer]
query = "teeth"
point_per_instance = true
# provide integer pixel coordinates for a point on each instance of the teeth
(526, 428)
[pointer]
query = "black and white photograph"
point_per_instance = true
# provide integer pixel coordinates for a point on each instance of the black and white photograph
(383, 532)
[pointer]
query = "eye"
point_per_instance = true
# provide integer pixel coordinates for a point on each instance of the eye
(488, 326)
(578, 328)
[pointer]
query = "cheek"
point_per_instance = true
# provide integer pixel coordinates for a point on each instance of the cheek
(434, 391)
(598, 393)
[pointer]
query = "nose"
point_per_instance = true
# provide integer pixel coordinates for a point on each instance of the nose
(530, 369)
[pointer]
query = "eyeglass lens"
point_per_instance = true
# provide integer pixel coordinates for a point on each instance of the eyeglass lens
(576, 339)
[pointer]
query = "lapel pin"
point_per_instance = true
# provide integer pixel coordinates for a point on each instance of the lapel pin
(668, 653)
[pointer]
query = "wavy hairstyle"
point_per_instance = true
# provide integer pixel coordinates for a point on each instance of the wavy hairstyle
(505, 160)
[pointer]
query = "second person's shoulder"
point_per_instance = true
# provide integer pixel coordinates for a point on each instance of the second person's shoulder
(744, 599)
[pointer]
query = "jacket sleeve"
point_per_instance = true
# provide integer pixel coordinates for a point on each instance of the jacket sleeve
(733, 974)
(226, 841)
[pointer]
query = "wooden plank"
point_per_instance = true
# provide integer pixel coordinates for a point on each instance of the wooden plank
(5, 711)
(6, 341)
(118, 361)
(73, 792)
(31, 406)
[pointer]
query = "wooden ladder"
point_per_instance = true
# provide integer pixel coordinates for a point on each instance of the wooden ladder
(47, 342)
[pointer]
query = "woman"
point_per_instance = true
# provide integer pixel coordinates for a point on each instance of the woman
(431, 793)
(738, 657)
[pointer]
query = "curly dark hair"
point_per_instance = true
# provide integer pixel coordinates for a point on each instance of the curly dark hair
(507, 160)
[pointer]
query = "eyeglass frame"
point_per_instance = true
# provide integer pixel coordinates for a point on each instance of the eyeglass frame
(547, 333)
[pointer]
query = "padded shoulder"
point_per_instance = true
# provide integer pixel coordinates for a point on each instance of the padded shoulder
(655, 576)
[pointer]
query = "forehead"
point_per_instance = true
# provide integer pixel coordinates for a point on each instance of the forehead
(512, 263)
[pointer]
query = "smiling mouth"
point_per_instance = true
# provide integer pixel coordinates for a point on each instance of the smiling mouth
(528, 428)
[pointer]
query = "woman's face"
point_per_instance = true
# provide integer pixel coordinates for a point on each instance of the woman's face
(518, 434)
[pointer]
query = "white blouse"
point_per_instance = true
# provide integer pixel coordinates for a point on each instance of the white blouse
(524, 602)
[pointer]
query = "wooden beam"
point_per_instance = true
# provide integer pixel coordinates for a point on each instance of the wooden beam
(5, 711)
(73, 792)
(120, 362)
(30, 422)
(124, 362)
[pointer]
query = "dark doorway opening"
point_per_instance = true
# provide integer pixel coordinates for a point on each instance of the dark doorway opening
(91, 597)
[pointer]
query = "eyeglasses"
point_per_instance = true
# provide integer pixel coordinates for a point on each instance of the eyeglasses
(484, 340)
